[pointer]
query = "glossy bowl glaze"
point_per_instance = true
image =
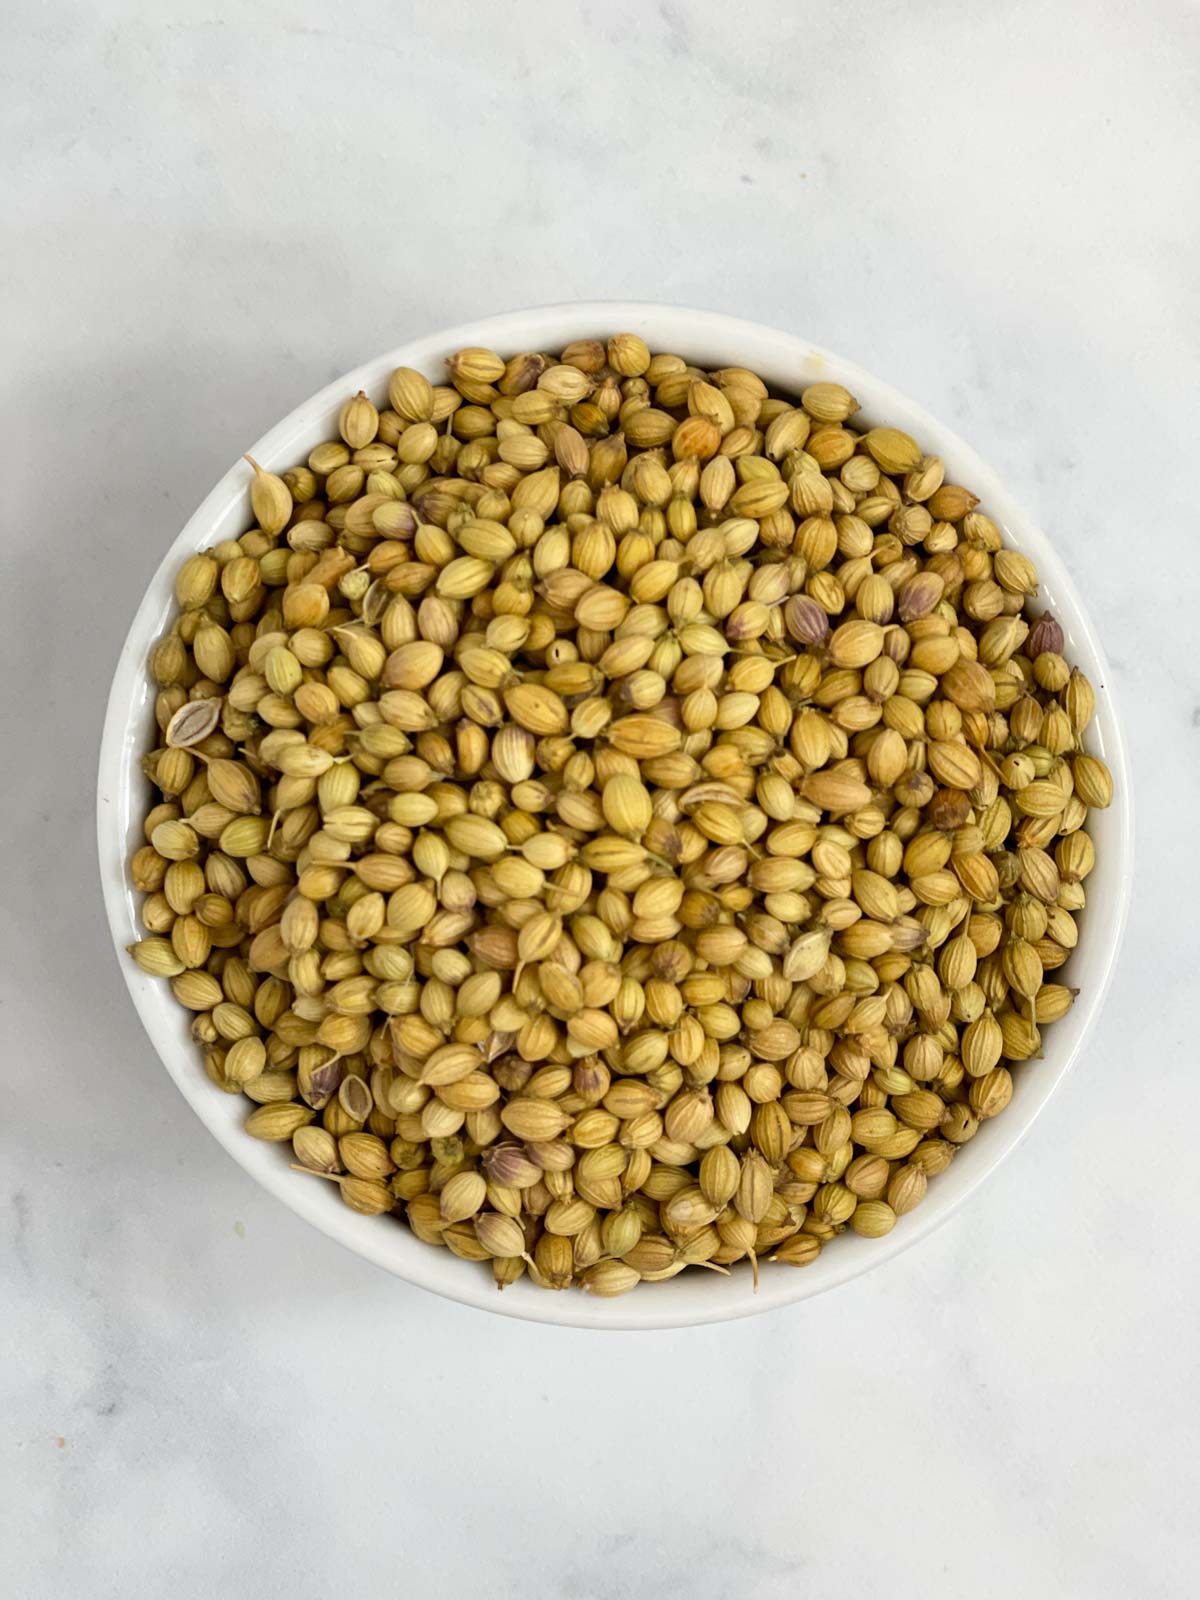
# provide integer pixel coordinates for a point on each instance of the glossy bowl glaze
(787, 363)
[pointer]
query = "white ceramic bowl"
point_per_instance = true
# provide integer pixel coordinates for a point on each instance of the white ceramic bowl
(788, 364)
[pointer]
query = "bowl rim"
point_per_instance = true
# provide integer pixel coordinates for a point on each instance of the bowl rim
(546, 327)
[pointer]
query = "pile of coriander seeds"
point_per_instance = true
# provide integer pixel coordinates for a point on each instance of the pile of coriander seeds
(614, 819)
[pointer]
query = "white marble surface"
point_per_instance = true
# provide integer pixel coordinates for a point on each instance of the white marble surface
(206, 217)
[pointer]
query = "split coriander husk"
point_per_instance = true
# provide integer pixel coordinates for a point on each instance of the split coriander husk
(614, 817)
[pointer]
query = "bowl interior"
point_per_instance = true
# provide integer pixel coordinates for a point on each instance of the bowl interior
(787, 364)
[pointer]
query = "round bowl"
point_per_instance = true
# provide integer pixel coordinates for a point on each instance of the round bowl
(788, 363)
